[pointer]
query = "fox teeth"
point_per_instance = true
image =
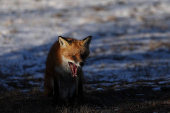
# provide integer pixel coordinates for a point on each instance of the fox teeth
(74, 75)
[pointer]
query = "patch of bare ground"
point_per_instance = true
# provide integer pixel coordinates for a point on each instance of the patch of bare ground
(141, 99)
(158, 45)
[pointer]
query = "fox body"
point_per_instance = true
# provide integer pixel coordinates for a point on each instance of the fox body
(63, 74)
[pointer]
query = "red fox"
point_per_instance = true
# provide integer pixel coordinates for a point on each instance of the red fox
(63, 74)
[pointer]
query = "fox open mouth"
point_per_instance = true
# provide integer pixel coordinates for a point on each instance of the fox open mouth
(73, 68)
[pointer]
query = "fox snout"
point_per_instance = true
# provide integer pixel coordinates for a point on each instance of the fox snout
(81, 64)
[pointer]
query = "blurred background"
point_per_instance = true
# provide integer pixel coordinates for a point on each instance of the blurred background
(130, 45)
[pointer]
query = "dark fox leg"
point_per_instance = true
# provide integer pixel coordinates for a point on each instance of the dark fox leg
(56, 93)
(79, 88)
(80, 95)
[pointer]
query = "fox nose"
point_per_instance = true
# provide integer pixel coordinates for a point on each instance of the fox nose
(81, 64)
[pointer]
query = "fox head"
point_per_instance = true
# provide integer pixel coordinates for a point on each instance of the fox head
(73, 53)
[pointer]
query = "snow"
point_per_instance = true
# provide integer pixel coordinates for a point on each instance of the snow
(131, 39)
(99, 89)
(156, 88)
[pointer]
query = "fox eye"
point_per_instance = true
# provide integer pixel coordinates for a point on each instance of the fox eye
(73, 56)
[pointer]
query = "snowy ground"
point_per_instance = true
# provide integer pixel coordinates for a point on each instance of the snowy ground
(130, 45)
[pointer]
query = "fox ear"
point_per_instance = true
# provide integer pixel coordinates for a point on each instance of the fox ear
(63, 42)
(87, 41)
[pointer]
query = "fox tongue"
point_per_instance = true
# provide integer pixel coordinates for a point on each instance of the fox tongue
(73, 68)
